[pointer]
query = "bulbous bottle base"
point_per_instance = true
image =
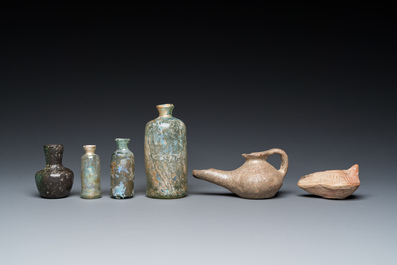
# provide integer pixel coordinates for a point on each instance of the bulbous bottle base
(54, 187)
(54, 197)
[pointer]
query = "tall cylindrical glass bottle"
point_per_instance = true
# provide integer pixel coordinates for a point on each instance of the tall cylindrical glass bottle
(90, 173)
(166, 156)
(122, 169)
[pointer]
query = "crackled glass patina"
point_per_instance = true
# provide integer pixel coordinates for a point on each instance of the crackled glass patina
(166, 156)
(55, 180)
(122, 171)
(90, 173)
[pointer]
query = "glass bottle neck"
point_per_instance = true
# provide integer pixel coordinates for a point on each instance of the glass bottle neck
(165, 110)
(122, 143)
(53, 154)
(122, 146)
(89, 149)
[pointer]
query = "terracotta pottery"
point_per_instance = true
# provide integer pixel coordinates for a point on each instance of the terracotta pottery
(55, 180)
(166, 156)
(255, 179)
(331, 184)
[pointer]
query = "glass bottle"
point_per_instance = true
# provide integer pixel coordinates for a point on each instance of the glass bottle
(90, 173)
(122, 171)
(166, 156)
(55, 180)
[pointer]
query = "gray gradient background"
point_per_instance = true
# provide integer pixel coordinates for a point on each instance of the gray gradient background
(320, 85)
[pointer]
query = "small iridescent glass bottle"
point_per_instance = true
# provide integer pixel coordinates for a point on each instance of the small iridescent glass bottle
(55, 180)
(90, 173)
(122, 168)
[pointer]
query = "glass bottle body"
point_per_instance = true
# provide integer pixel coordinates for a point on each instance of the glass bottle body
(55, 180)
(166, 156)
(122, 171)
(90, 174)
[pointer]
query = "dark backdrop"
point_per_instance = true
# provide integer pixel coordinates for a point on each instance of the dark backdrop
(316, 82)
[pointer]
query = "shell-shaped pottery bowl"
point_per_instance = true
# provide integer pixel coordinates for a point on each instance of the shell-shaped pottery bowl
(331, 184)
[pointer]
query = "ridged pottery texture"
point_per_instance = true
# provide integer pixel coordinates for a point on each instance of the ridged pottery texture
(90, 174)
(122, 168)
(55, 180)
(166, 156)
